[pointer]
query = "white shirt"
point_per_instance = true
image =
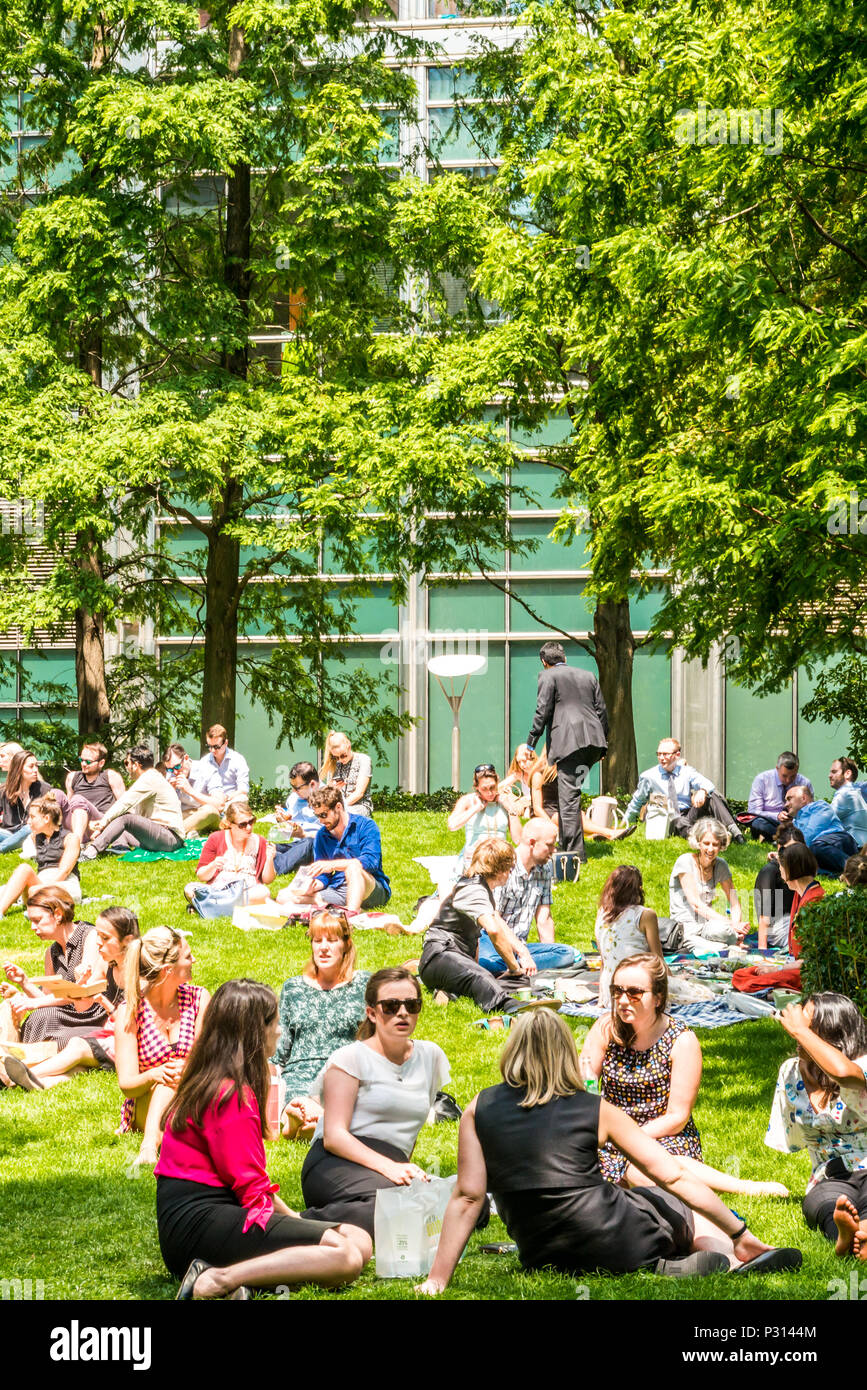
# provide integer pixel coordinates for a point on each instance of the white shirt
(210, 778)
(393, 1102)
(839, 1130)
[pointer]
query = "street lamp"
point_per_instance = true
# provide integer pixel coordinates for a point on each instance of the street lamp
(451, 669)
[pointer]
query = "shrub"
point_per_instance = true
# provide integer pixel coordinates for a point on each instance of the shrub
(833, 937)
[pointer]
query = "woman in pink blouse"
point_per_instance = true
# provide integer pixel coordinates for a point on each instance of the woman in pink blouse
(218, 1215)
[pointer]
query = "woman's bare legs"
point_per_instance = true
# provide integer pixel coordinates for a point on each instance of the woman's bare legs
(149, 1111)
(74, 1057)
(338, 1259)
(22, 878)
(713, 1178)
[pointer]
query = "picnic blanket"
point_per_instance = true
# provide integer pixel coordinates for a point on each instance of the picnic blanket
(190, 849)
(712, 1013)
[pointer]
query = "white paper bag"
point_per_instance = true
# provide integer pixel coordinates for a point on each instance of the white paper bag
(657, 821)
(407, 1227)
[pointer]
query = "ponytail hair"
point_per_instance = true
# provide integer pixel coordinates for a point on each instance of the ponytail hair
(146, 958)
(49, 806)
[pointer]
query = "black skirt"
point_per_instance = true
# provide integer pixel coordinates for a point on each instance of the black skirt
(336, 1189)
(197, 1222)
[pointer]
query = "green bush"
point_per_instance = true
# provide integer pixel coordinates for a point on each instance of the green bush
(833, 937)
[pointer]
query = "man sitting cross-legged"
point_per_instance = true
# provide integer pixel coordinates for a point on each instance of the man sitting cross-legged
(347, 859)
(147, 816)
(526, 898)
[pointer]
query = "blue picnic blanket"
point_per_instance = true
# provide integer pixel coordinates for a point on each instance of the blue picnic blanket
(711, 1013)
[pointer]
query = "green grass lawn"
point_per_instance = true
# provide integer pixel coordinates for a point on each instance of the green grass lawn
(75, 1217)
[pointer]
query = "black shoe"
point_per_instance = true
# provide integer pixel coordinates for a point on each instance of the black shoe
(21, 1074)
(696, 1265)
(188, 1283)
(771, 1262)
(446, 1108)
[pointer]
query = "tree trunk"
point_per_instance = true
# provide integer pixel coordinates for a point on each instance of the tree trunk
(93, 707)
(615, 650)
(222, 573)
(221, 632)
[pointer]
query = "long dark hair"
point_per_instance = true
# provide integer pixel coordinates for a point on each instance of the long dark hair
(14, 788)
(657, 972)
(230, 1048)
(839, 1022)
(392, 975)
(622, 888)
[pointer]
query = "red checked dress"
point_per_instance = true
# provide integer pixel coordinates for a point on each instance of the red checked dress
(153, 1049)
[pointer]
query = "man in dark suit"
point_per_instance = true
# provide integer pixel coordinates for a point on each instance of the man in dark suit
(571, 710)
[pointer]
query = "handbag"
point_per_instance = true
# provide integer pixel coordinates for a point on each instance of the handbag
(407, 1225)
(219, 902)
(658, 818)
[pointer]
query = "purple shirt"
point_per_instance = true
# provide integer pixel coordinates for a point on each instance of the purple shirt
(768, 795)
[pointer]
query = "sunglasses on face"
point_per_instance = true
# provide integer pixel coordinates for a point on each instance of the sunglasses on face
(221, 744)
(88, 762)
(632, 992)
(173, 767)
(244, 824)
(391, 1007)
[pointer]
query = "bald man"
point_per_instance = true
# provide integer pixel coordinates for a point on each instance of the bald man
(526, 899)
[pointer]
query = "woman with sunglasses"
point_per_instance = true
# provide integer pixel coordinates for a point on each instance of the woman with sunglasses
(376, 1095)
(155, 1028)
(485, 812)
(649, 1065)
(234, 855)
(532, 1142)
(218, 1215)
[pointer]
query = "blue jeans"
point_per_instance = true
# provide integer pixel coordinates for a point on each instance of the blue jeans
(832, 851)
(11, 839)
(548, 955)
(290, 857)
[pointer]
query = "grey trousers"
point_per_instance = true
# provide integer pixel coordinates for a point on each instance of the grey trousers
(136, 832)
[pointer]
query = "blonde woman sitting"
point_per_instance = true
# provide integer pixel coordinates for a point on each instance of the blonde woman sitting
(155, 1027)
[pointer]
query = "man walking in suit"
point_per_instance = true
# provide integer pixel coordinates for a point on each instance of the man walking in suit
(571, 710)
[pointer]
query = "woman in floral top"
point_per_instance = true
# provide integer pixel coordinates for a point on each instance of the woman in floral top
(320, 1010)
(820, 1105)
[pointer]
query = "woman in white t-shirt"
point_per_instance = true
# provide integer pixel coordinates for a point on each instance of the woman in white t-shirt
(376, 1095)
(695, 880)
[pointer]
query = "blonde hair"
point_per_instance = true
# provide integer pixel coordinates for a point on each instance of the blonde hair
(329, 762)
(491, 856)
(334, 925)
(540, 1058)
(235, 811)
(145, 960)
(516, 774)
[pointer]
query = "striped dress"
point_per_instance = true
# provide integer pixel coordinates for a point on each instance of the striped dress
(153, 1049)
(63, 1022)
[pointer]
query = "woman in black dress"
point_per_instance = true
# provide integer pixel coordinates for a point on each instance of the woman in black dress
(57, 852)
(532, 1142)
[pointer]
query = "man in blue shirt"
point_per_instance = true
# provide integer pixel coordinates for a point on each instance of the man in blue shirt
(300, 823)
(689, 795)
(347, 858)
(768, 795)
(847, 803)
(823, 832)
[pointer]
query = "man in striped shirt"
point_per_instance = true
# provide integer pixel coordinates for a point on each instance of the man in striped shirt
(526, 898)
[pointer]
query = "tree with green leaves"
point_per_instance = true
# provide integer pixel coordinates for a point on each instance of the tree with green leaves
(205, 177)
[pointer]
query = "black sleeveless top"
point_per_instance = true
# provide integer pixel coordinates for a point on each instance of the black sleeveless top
(49, 851)
(543, 1172)
(98, 792)
(454, 929)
